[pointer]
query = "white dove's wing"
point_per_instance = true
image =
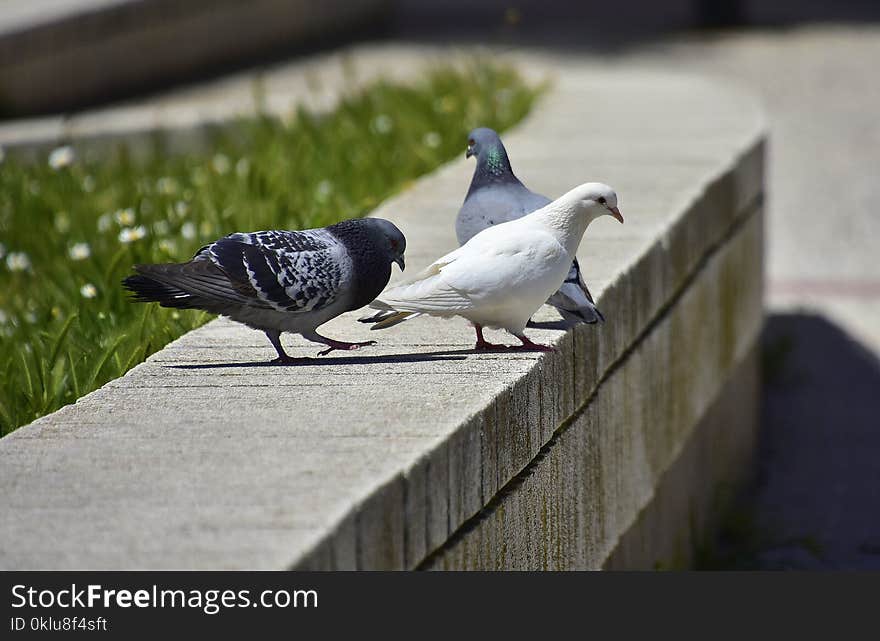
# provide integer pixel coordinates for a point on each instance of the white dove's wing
(498, 265)
(428, 291)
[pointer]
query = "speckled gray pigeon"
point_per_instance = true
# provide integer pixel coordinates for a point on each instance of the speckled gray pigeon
(281, 281)
(497, 196)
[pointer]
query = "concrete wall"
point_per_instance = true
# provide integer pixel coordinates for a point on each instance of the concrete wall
(417, 453)
(633, 477)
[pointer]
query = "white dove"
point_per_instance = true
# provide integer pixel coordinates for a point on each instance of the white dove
(502, 275)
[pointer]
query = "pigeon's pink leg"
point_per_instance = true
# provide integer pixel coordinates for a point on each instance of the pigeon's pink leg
(529, 346)
(482, 344)
(333, 345)
(274, 337)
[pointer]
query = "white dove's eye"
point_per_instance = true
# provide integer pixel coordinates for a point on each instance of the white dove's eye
(601, 200)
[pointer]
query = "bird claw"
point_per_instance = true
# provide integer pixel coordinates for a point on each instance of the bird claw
(535, 347)
(345, 347)
(529, 346)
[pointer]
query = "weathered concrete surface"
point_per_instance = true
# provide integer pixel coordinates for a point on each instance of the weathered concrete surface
(633, 476)
(206, 457)
(56, 56)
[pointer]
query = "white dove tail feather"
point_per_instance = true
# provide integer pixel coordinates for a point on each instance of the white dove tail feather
(426, 293)
(394, 318)
(429, 296)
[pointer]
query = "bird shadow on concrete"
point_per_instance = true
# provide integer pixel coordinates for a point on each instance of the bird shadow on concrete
(813, 505)
(415, 357)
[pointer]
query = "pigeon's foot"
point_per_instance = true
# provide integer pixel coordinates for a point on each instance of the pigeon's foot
(482, 345)
(342, 345)
(529, 346)
(485, 346)
(274, 337)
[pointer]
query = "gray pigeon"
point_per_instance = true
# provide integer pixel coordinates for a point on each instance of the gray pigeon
(497, 196)
(281, 281)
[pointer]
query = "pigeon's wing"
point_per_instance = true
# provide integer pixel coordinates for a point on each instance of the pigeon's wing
(289, 271)
(532, 201)
(477, 275)
(574, 301)
(427, 291)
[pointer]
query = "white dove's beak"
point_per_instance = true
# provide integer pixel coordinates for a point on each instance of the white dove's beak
(616, 213)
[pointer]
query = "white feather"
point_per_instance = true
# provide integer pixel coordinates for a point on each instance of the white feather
(502, 275)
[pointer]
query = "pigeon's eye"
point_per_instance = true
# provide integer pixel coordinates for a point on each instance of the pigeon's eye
(601, 200)
(471, 142)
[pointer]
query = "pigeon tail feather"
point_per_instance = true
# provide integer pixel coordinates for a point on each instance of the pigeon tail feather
(148, 290)
(195, 285)
(573, 300)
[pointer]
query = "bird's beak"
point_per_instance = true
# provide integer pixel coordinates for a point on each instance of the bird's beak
(400, 263)
(469, 152)
(616, 213)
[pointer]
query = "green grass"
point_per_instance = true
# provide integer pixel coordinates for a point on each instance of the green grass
(66, 325)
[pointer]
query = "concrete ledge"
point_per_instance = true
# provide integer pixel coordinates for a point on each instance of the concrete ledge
(627, 479)
(398, 457)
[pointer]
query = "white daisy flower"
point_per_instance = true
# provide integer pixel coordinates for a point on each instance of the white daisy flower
(104, 222)
(242, 167)
(18, 262)
(383, 124)
(168, 246)
(62, 222)
(125, 217)
(188, 231)
(432, 139)
(88, 291)
(80, 251)
(166, 186)
(61, 157)
(220, 163)
(181, 208)
(323, 190)
(131, 234)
